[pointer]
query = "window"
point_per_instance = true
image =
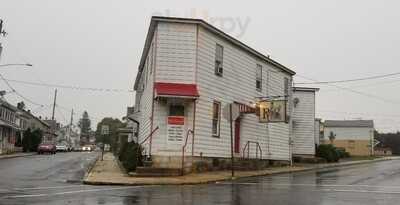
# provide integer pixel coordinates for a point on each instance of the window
(151, 58)
(176, 110)
(219, 56)
(286, 86)
(259, 77)
(216, 118)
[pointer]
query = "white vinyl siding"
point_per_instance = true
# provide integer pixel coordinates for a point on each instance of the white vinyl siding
(176, 53)
(143, 98)
(304, 123)
(236, 85)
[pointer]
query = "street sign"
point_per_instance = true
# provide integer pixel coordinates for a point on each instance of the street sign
(175, 129)
(105, 129)
(272, 111)
(235, 112)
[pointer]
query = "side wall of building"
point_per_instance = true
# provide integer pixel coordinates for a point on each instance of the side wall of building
(175, 63)
(144, 96)
(304, 123)
(237, 84)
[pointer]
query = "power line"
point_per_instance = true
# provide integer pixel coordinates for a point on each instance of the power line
(62, 115)
(68, 86)
(352, 80)
(359, 113)
(17, 93)
(357, 92)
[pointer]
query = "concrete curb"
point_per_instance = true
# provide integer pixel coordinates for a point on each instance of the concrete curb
(90, 168)
(16, 156)
(217, 179)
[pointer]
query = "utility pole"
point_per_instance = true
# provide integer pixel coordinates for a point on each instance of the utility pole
(70, 125)
(72, 117)
(3, 33)
(54, 104)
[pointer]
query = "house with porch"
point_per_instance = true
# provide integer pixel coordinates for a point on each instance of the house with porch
(189, 72)
(8, 127)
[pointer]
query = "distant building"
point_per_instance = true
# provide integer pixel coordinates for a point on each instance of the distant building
(68, 135)
(51, 135)
(29, 121)
(304, 124)
(382, 151)
(8, 127)
(356, 136)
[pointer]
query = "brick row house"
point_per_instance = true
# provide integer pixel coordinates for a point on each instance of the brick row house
(189, 72)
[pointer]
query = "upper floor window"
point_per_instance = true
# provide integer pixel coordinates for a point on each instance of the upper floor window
(259, 77)
(219, 57)
(216, 118)
(286, 86)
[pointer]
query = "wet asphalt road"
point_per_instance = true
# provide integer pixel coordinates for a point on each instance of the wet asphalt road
(42, 180)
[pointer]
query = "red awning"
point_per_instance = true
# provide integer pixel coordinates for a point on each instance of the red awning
(176, 90)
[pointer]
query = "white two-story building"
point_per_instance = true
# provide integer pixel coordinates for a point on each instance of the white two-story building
(189, 71)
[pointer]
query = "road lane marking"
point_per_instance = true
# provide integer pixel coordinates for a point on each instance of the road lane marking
(312, 185)
(54, 187)
(360, 191)
(70, 192)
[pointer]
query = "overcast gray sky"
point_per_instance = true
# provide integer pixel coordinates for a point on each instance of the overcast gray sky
(95, 43)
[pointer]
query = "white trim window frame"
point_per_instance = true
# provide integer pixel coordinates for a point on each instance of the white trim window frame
(259, 77)
(219, 60)
(216, 119)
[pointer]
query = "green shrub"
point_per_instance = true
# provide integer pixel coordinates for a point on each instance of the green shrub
(328, 152)
(130, 156)
(31, 140)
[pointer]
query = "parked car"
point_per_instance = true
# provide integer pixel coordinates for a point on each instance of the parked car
(87, 148)
(47, 148)
(61, 148)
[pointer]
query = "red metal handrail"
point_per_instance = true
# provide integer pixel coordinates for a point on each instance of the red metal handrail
(150, 136)
(140, 144)
(247, 146)
(183, 149)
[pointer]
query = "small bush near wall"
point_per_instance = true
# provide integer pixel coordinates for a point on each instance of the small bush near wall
(128, 155)
(31, 140)
(342, 153)
(328, 152)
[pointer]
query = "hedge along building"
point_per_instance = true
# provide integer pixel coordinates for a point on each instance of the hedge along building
(189, 71)
(305, 136)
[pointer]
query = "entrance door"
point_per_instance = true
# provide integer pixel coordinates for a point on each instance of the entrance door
(237, 136)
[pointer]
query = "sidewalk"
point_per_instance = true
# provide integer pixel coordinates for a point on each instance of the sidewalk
(7, 156)
(107, 172)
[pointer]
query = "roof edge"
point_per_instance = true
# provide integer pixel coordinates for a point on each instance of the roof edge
(155, 19)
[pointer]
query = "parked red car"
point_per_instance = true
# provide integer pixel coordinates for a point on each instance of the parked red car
(47, 148)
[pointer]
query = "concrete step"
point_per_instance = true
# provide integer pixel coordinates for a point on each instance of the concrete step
(157, 172)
